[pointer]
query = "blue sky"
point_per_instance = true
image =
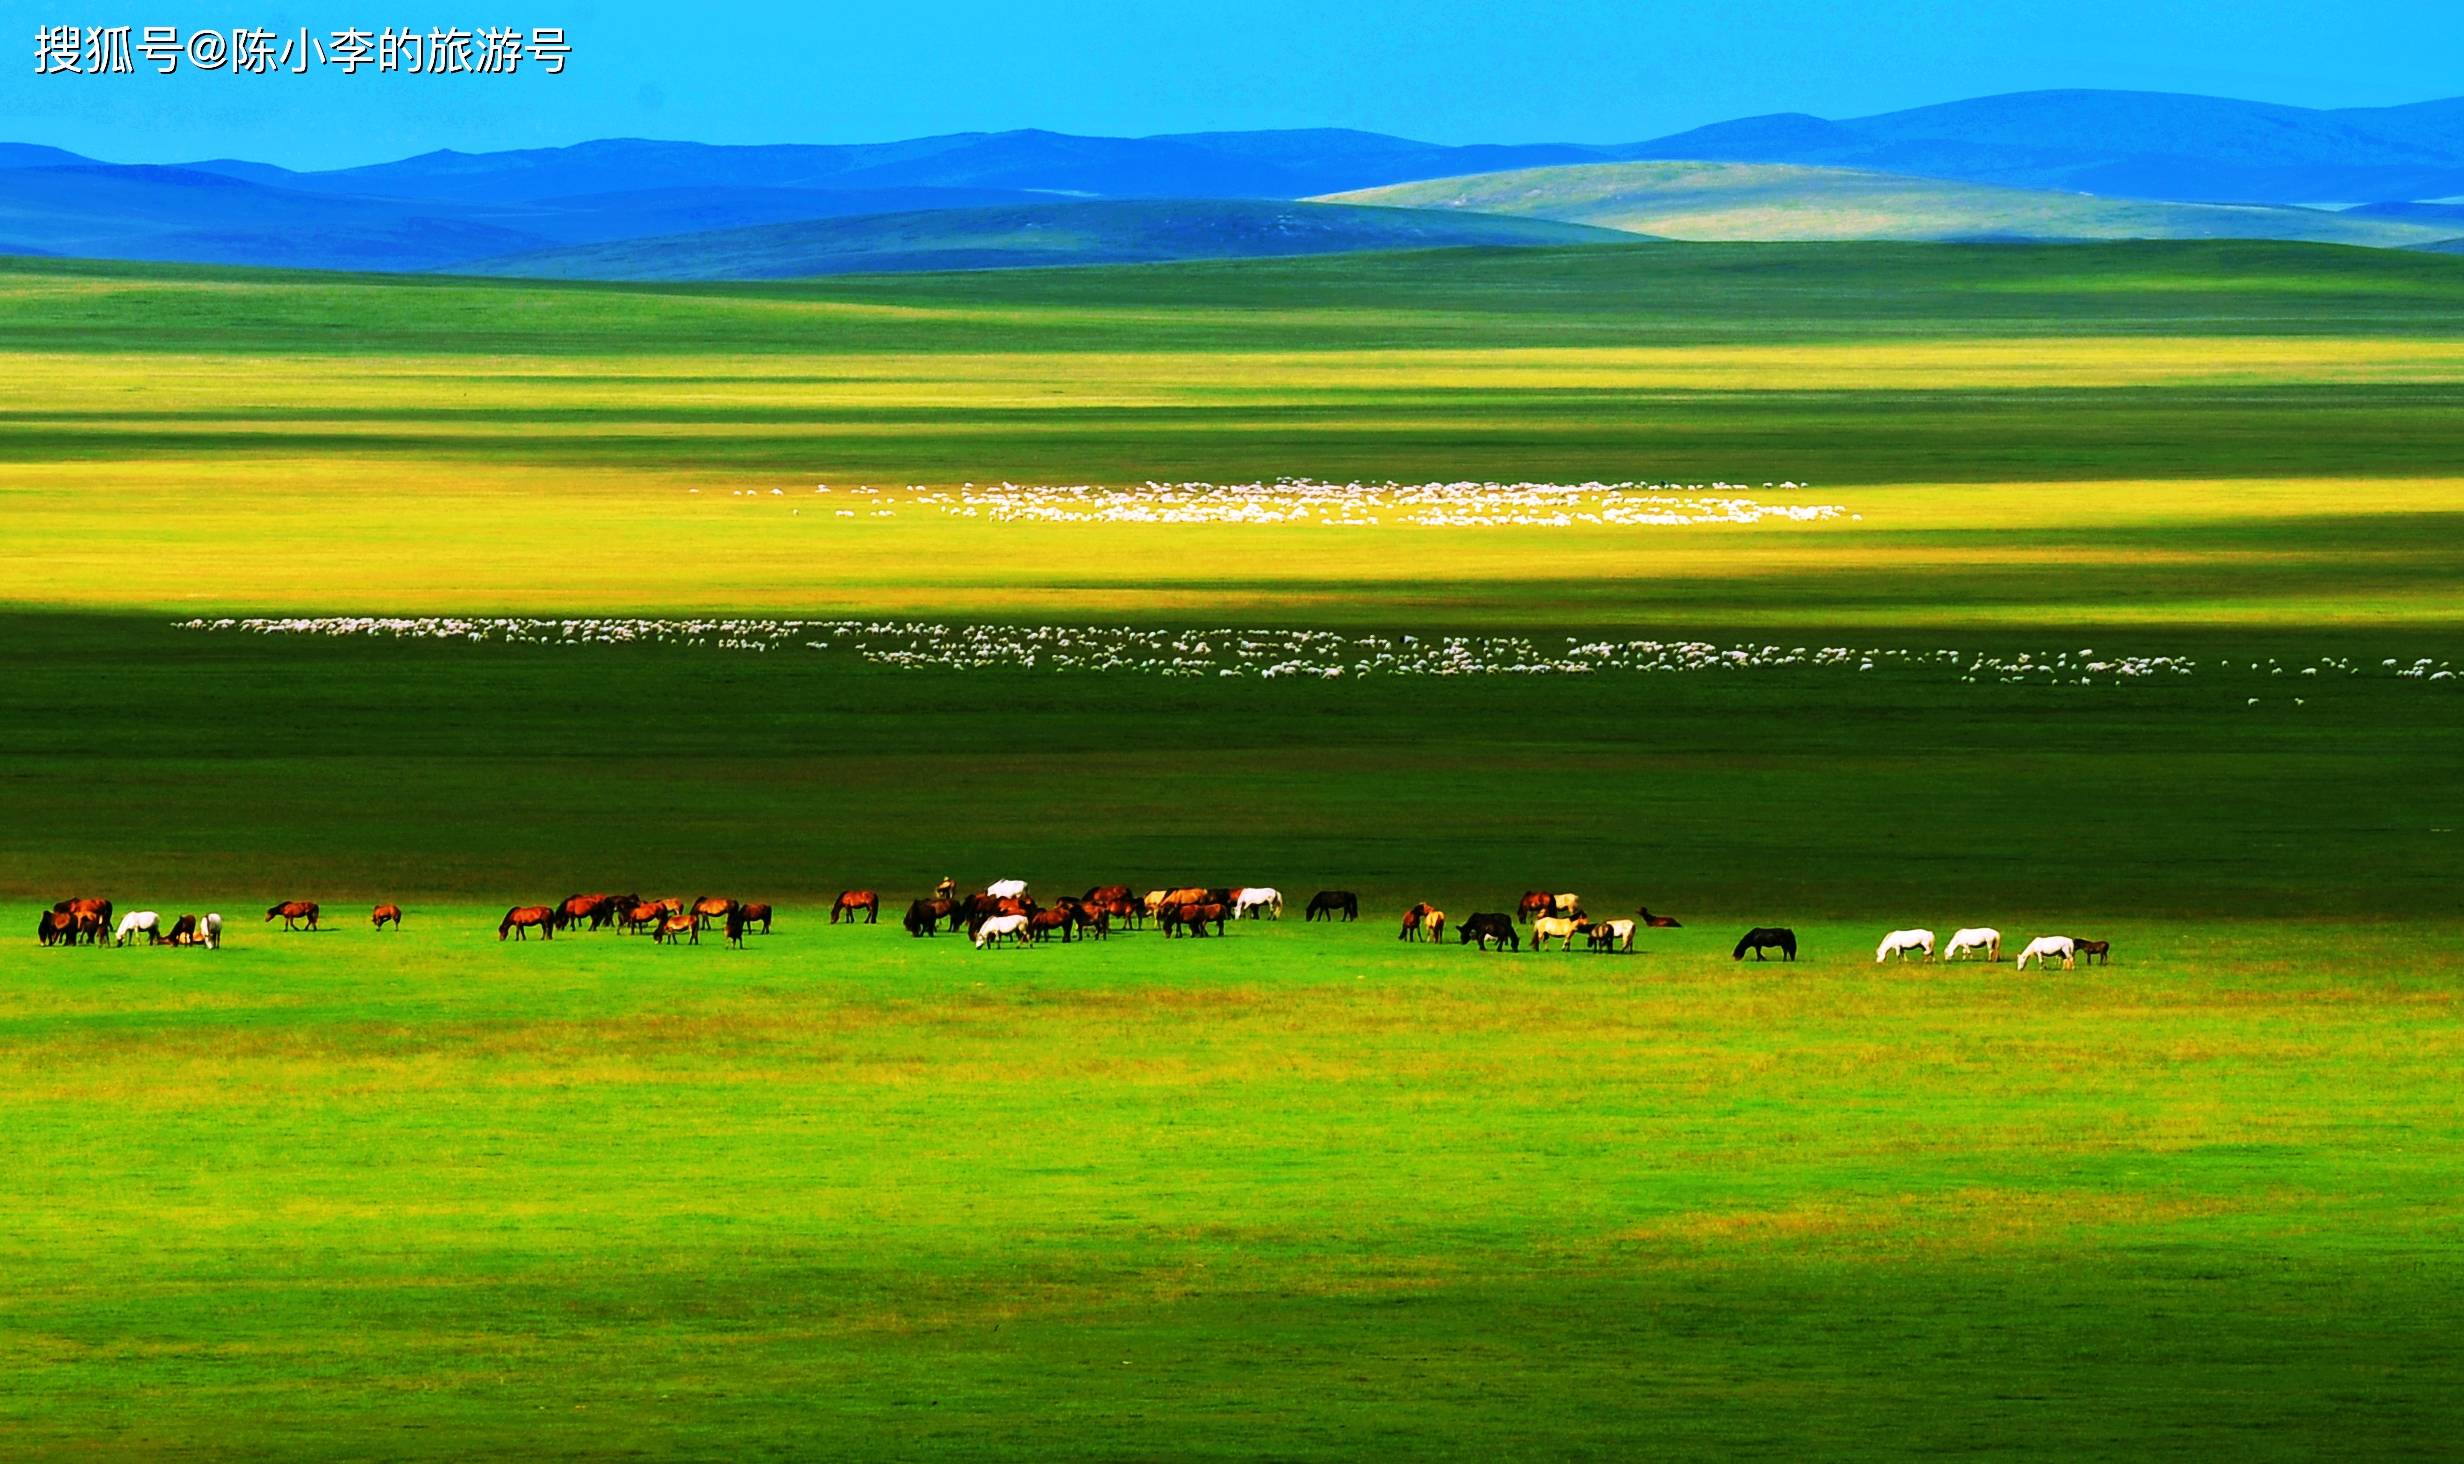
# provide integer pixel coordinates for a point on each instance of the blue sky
(1573, 70)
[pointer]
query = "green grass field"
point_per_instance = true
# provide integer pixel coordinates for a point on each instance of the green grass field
(1304, 1192)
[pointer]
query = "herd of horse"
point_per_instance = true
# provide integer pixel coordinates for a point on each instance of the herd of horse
(1985, 941)
(1003, 912)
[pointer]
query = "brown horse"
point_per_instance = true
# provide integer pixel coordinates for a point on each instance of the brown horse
(1103, 895)
(183, 931)
(672, 929)
(1412, 919)
(1043, 923)
(522, 919)
(711, 907)
(851, 901)
(640, 916)
(924, 917)
(384, 915)
(737, 920)
(757, 913)
(55, 927)
(293, 912)
(592, 910)
(2092, 952)
(1656, 922)
(1200, 913)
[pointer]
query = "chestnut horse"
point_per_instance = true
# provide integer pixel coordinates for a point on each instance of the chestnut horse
(641, 916)
(711, 907)
(293, 912)
(522, 919)
(384, 915)
(757, 912)
(1412, 919)
(851, 901)
(675, 928)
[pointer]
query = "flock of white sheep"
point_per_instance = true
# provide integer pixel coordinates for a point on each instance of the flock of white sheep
(1230, 651)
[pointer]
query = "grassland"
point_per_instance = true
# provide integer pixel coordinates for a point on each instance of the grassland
(1740, 201)
(1303, 1193)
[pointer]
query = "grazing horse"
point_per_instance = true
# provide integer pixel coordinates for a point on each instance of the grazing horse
(1326, 903)
(97, 908)
(989, 931)
(849, 902)
(1007, 889)
(640, 916)
(1256, 900)
(522, 919)
(293, 912)
(139, 922)
(1489, 926)
(1614, 935)
(676, 930)
(710, 908)
(1043, 923)
(757, 912)
(924, 917)
(737, 920)
(55, 927)
(1657, 922)
(384, 915)
(184, 931)
(1412, 920)
(1433, 925)
(1766, 937)
(1205, 912)
(2093, 952)
(2045, 947)
(1975, 938)
(591, 910)
(1557, 928)
(1900, 942)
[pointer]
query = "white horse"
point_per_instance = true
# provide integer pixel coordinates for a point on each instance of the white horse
(2045, 948)
(1900, 942)
(139, 922)
(210, 930)
(1258, 900)
(1613, 935)
(1975, 938)
(1006, 889)
(1013, 926)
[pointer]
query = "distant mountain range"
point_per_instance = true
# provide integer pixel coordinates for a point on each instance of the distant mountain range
(1108, 231)
(1785, 201)
(556, 206)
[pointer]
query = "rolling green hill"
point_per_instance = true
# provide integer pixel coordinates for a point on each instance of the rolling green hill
(1739, 201)
(1103, 232)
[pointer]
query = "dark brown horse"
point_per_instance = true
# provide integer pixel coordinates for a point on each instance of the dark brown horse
(384, 915)
(924, 917)
(1103, 896)
(737, 920)
(1766, 937)
(55, 927)
(851, 901)
(1657, 922)
(1043, 923)
(1327, 904)
(757, 912)
(2092, 952)
(183, 931)
(522, 919)
(294, 913)
(1412, 920)
(1489, 926)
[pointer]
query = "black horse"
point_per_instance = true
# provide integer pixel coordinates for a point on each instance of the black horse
(925, 916)
(1766, 937)
(1489, 927)
(2098, 952)
(1327, 903)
